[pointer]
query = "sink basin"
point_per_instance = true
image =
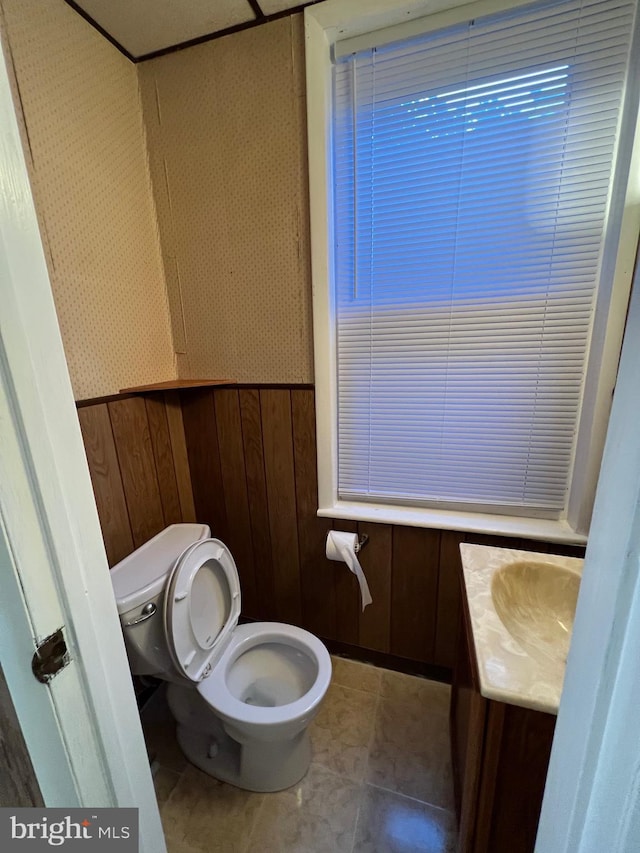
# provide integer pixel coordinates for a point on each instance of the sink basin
(536, 603)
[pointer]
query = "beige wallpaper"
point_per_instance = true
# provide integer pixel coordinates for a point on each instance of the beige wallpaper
(227, 142)
(91, 185)
(225, 283)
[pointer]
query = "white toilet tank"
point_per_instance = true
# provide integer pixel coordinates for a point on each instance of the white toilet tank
(139, 584)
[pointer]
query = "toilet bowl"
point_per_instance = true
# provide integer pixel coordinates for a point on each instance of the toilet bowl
(243, 696)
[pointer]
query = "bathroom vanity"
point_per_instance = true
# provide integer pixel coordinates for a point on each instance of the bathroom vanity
(506, 691)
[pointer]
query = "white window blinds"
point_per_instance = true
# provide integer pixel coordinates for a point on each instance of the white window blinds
(472, 169)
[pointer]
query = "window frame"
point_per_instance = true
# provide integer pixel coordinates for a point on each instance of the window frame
(358, 21)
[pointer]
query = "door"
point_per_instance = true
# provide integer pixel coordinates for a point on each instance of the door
(81, 729)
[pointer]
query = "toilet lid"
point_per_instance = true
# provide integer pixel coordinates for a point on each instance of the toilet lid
(201, 606)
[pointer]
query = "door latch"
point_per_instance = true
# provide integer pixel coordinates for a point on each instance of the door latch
(50, 657)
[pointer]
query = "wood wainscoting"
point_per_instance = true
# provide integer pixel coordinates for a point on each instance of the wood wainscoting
(243, 460)
(139, 469)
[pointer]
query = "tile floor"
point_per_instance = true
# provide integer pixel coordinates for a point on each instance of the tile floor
(380, 781)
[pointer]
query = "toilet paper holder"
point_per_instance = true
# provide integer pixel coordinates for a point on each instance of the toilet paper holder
(344, 547)
(362, 541)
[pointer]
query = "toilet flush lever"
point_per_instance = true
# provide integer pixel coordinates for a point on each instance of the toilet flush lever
(147, 612)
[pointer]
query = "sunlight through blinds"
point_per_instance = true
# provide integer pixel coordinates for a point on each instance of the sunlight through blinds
(472, 169)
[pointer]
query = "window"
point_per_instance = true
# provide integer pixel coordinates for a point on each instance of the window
(470, 170)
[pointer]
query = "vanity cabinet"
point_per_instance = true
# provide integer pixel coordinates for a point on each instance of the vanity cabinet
(500, 757)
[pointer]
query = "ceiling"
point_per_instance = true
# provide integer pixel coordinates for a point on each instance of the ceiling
(144, 28)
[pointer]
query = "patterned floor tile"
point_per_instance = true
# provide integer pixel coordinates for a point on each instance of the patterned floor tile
(391, 823)
(316, 816)
(209, 816)
(341, 733)
(360, 676)
(410, 752)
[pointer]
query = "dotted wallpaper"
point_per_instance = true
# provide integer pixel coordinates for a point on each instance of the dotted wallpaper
(227, 143)
(91, 184)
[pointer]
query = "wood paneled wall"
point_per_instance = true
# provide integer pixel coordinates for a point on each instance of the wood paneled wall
(18, 783)
(243, 460)
(139, 468)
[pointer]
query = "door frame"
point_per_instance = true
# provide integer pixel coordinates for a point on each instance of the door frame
(82, 729)
(592, 795)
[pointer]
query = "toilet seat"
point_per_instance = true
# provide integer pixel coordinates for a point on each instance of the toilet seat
(201, 611)
(215, 691)
(201, 607)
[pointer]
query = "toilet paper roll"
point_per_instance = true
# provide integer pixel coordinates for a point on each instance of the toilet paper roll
(342, 547)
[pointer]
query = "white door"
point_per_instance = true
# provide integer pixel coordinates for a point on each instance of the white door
(82, 729)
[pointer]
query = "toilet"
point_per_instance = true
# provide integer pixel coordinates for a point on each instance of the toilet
(243, 696)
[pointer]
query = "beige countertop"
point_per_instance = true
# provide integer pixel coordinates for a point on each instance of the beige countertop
(528, 673)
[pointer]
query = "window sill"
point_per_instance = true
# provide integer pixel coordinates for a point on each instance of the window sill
(497, 525)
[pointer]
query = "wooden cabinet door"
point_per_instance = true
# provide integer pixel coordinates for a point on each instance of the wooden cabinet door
(517, 750)
(468, 712)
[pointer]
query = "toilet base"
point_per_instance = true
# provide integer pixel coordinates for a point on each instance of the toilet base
(258, 766)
